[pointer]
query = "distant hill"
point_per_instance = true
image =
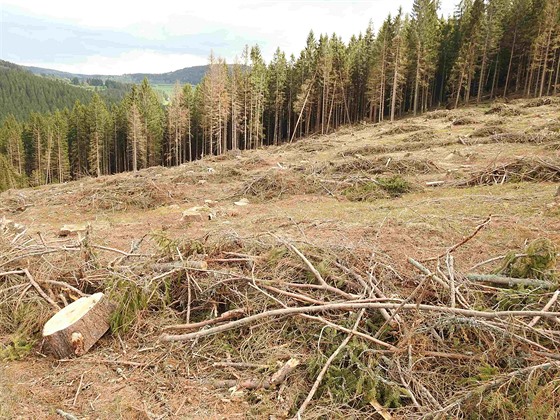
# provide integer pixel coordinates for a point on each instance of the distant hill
(191, 75)
(22, 92)
(56, 73)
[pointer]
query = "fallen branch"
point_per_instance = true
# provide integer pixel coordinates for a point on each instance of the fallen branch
(265, 383)
(349, 306)
(510, 281)
(428, 273)
(391, 319)
(468, 238)
(65, 286)
(26, 272)
(239, 365)
(491, 260)
(551, 302)
(318, 275)
(226, 316)
(178, 265)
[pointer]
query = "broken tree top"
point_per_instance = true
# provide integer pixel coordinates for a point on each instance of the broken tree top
(75, 329)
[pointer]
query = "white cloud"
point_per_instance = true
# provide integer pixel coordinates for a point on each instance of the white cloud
(270, 23)
(135, 61)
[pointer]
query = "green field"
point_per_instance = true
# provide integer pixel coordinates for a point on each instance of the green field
(166, 90)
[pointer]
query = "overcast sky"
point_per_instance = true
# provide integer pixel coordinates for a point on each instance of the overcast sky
(117, 37)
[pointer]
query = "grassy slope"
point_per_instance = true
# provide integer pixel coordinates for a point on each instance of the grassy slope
(419, 224)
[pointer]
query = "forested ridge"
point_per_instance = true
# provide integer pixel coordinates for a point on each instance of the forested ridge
(22, 93)
(413, 62)
(192, 75)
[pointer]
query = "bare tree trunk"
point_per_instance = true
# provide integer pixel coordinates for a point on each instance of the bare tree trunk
(545, 62)
(395, 81)
(459, 86)
(483, 68)
(551, 73)
(510, 63)
(557, 73)
(417, 82)
(494, 79)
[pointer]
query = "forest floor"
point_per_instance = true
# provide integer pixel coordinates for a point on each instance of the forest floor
(388, 192)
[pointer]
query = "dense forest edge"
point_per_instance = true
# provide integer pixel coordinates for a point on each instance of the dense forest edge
(22, 92)
(414, 62)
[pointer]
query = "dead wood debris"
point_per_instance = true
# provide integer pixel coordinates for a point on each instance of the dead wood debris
(520, 170)
(399, 340)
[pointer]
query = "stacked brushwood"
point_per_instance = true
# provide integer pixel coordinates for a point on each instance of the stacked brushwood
(353, 333)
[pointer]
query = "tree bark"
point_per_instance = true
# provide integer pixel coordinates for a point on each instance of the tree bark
(75, 329)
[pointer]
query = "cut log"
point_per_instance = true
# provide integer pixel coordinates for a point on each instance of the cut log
(75, 329)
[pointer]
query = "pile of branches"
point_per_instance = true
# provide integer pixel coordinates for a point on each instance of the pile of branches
(401, 341)
(538, 102)
(519, 170)
(402, 129)
(503, 110)
(383, 165)
(347, 331)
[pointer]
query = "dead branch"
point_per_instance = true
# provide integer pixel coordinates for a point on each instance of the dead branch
(491, 260)
(179, 265)
(428, 273)
(510, 281)
(226, 316)
(468, 238)
(551, 302)
(391, 319)
(318, 275)
(26, 272)
(239, 365)
(366, 304)
(265, 383)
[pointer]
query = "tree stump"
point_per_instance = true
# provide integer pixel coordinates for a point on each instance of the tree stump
(72, 331)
